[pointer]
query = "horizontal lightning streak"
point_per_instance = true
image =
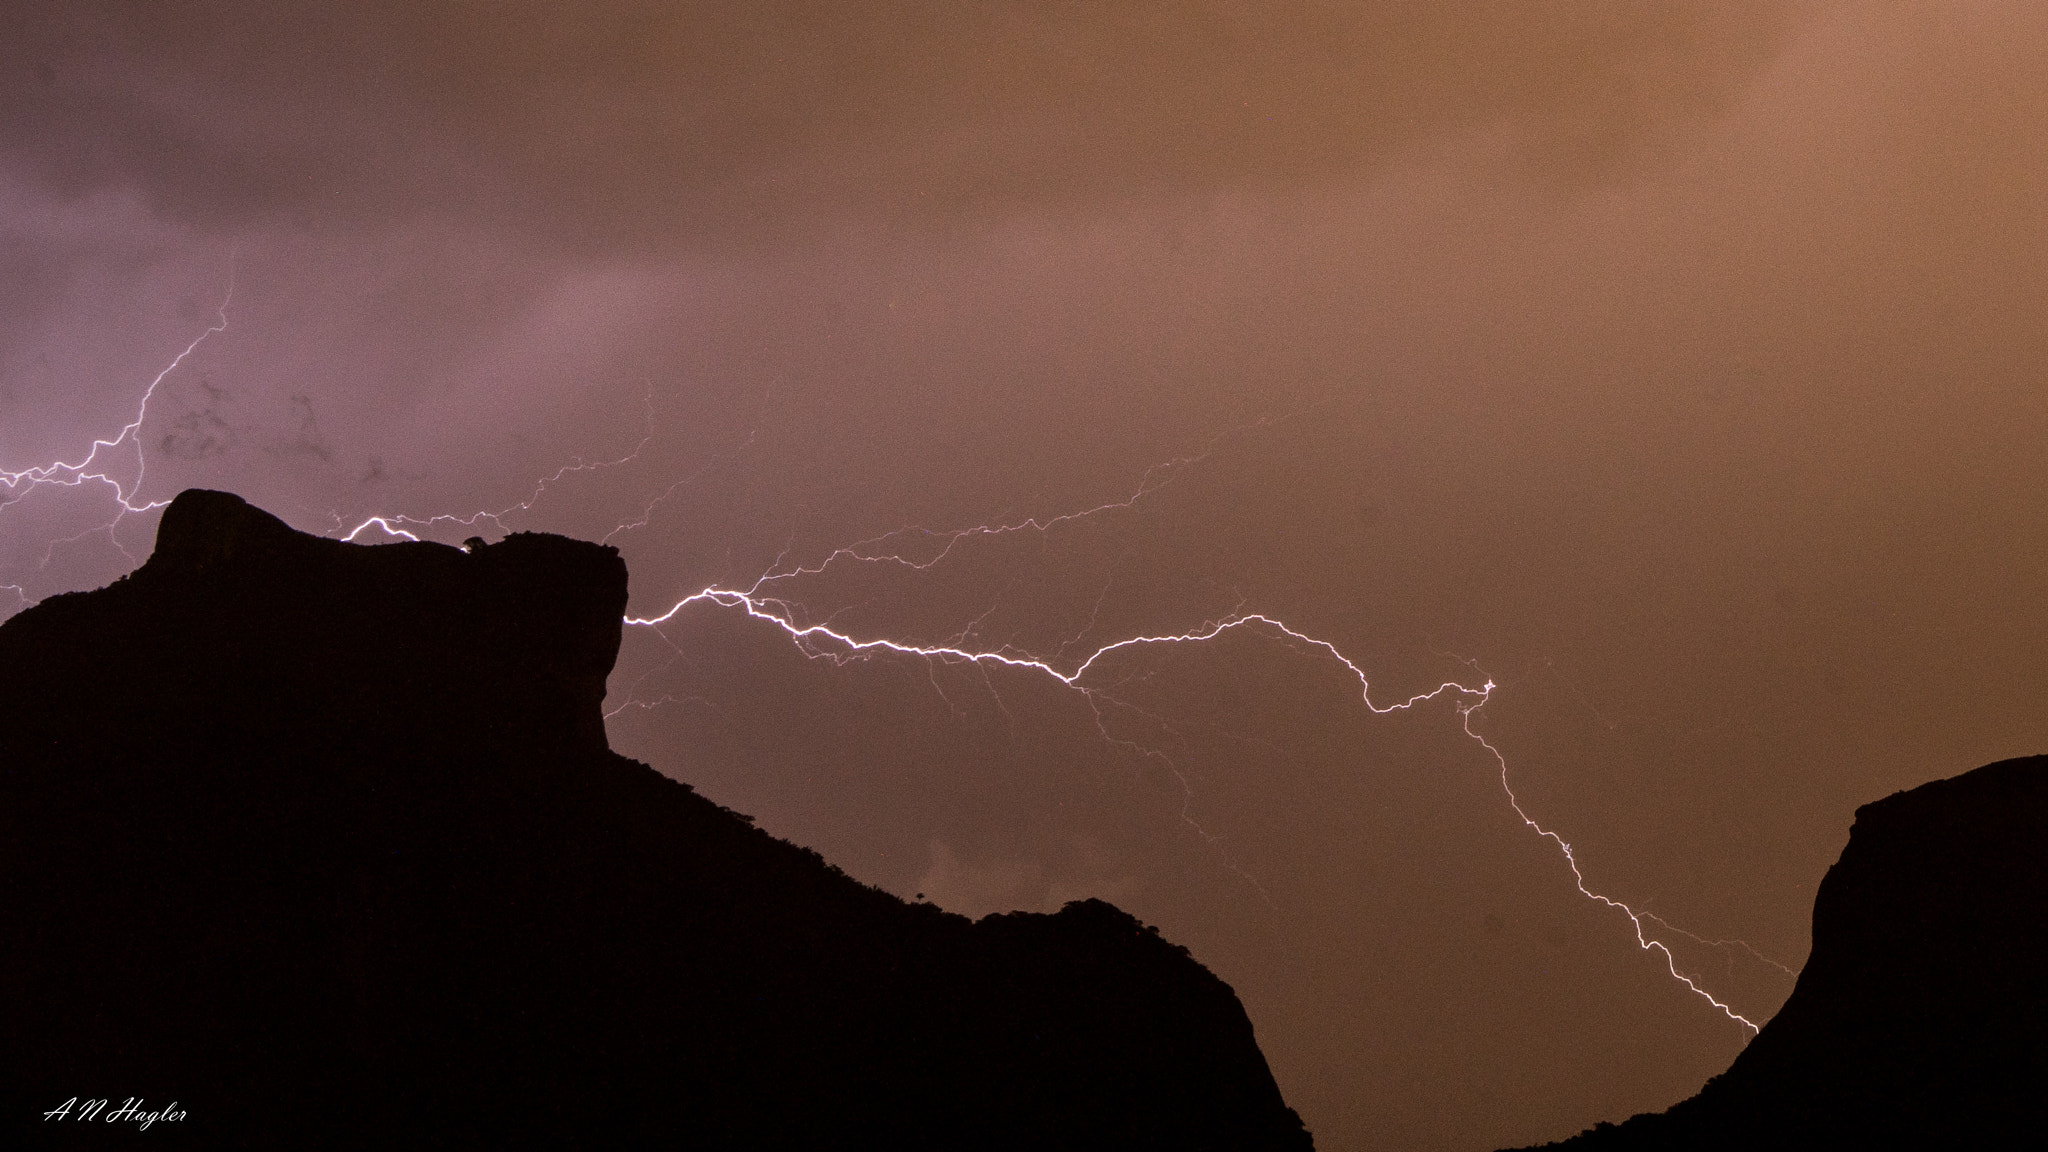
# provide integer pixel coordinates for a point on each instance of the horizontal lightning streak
(844, 646)
(812, 638)
(1155, 478)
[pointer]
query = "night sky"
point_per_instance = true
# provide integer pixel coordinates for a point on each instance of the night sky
(1673, 366)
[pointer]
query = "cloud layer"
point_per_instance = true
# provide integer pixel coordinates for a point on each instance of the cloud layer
(1676, 365)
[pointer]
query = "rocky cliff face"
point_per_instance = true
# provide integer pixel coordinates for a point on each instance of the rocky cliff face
(324, 842)
(1921, 1018)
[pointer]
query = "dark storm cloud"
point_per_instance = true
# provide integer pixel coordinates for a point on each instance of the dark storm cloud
(604, 121)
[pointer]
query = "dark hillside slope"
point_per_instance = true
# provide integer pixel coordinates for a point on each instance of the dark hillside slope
(323, 841)
(1921, 1018)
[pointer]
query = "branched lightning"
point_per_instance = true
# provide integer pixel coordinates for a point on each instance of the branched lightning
(824, 641)
(872, 550)
(92, 470)
(1744, 945)
(401, 525)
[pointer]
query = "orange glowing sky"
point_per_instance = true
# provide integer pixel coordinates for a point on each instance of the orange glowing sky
(1676, 365)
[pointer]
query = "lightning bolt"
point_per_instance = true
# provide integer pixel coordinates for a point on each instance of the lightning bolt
(1744, 945)
(870, 550)
(1645, 942)
(823, 641)
(91, 470)
(401, 526)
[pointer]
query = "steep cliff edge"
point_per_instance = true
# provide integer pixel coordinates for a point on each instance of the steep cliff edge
(1921, 1018)
(324, 842)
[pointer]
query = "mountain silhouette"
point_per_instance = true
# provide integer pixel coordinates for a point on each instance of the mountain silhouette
(1921, 1017)
(324, 843)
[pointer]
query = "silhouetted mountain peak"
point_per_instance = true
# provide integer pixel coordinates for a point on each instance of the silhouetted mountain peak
(203, 530)
(1917, 1021)
(324, 841)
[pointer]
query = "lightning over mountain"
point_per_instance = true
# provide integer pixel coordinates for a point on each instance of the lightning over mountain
(821, 641)
(118, 465)
(106, 462)
(1445, 510)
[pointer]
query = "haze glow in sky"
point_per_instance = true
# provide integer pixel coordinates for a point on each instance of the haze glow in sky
(1675, 366)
